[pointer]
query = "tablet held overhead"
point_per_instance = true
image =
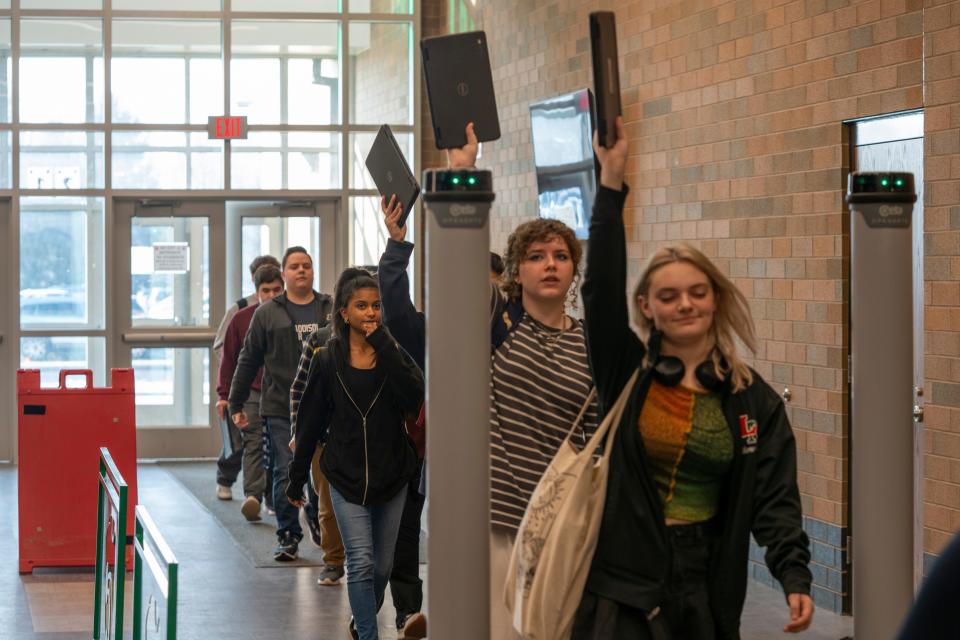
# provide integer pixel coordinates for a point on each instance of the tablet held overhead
(460, 88)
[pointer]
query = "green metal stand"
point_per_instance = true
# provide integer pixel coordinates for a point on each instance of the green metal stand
(111, 551)
(154, 582)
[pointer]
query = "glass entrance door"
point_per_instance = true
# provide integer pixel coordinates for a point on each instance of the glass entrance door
(269, 228)
(169, 284)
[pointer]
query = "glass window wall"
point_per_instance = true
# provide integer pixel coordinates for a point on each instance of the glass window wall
(286, 68)
(61, 160)
(166, 71)
(61, 263)
(166, 160)
(50, 354)
(61, 70)
(286, 160)
(6, 68)
(285, 72)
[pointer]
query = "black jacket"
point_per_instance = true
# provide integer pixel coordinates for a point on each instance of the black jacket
(365, 463)
(399, 315)
(272, 343)
(760, 495)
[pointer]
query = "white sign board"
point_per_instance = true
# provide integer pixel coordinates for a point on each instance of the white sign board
(171, 257)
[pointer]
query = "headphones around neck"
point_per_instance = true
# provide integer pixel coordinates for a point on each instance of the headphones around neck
(669, 370)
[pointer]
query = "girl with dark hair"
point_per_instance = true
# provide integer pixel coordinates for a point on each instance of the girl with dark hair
(704, 456)
(360, 387)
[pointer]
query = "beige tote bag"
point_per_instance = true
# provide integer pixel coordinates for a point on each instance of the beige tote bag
(557, 537)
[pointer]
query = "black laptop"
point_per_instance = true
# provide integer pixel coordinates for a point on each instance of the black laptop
(391, 173)
(606, 74)
(460, 88)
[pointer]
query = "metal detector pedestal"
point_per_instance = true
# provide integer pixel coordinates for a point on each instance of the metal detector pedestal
(458, 401)
(881, 392)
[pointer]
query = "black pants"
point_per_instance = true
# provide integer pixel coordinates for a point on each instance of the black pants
(405, 583)
(685, 611)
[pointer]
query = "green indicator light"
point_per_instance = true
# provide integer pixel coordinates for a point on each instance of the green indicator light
(471, 180)
(884, 182)
(455, 180)
(899, 182)
(861, 180)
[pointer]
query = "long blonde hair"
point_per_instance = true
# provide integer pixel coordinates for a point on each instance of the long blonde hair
(731, 318)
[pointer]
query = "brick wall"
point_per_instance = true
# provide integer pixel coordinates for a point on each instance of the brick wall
(734, 111)
(941, 26)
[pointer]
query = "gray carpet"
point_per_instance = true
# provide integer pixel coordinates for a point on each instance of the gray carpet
(255, 539)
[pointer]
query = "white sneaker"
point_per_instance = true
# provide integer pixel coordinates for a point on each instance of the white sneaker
(224, 493)
(250, 509)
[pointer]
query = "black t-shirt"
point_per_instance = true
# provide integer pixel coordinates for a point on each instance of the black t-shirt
(304, 318)
(362, 384)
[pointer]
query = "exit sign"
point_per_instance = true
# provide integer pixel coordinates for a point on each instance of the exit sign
(227, 127)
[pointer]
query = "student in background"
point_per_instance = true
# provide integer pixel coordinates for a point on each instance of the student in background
(496, 267)
(360, 389)
(274, 341)
(407, 325)
(230, 462)
(269, 284)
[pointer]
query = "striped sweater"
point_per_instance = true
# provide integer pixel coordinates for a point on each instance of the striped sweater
(539, 380)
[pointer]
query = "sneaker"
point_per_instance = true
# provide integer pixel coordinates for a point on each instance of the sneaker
(250, 509)
(412, 627)
(352, 630)
(330, 575)
(286, 549)
(312, 526)
(224, 493)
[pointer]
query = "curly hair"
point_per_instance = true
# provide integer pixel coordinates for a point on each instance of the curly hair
(540, 230)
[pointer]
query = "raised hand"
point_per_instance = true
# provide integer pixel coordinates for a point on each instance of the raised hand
(466, 156)
(392, 211)
(613, 161)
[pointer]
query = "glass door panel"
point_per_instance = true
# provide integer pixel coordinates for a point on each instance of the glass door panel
(173, 386)
(168, 294)
(170, 272)
(272, 236)
(270, 228)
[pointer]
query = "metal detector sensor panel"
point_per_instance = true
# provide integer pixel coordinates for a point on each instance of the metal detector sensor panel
(885, 200)
(881, 400)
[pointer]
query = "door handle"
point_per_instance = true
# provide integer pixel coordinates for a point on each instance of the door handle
(204, 338)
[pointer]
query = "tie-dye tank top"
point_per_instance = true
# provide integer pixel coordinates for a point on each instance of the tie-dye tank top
(689, 447)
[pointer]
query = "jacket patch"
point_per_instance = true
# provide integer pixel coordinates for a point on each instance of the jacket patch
(748, 434)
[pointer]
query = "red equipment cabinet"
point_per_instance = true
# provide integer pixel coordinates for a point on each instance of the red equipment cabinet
(60, 432)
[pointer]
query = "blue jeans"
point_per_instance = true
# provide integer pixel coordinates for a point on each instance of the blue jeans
(278, 431)
(369, 537)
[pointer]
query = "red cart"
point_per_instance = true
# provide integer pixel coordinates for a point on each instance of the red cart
(60, 432)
